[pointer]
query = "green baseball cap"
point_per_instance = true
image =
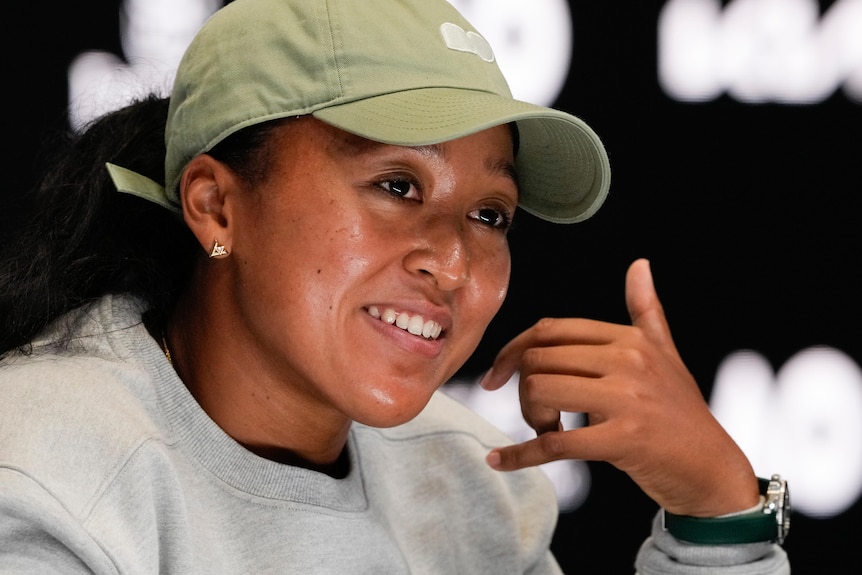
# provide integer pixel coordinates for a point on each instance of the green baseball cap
(403, 72)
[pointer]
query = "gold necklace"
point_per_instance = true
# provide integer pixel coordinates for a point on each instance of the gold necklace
(167, 350)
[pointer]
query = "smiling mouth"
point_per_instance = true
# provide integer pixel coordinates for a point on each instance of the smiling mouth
(415, 324)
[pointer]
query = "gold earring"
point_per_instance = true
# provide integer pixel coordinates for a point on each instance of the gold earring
(219, 251)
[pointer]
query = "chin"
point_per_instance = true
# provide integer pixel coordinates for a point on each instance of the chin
(386, 411)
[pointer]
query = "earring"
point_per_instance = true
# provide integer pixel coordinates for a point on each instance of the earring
(219, 251)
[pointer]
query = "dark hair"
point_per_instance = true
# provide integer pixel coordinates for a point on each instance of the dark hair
(83, 239)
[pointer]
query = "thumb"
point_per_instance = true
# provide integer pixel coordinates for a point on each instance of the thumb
(643, 304)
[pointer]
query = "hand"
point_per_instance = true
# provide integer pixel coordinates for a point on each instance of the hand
(646, 413)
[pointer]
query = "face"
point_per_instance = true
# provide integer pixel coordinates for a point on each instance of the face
(366, 274)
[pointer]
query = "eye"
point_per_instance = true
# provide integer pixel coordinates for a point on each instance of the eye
(400, 187)
(492, 217)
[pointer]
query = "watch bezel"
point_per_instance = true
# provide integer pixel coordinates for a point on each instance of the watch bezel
(778, 503)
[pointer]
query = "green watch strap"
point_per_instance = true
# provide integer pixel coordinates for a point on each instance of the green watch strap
(752, 527)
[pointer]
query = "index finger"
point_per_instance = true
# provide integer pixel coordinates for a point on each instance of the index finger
(551, 446)
(546, 332)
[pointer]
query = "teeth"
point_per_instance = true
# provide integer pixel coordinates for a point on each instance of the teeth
(403, 321)
(415, 324)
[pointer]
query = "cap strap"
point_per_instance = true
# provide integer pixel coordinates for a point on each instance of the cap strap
(130, 182)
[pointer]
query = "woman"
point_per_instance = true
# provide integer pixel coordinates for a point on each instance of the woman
(232, 365)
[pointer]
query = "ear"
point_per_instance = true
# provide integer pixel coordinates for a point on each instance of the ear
(206, 193)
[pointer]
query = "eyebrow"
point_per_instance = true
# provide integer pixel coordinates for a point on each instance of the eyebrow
(353, 144)
(503, 167)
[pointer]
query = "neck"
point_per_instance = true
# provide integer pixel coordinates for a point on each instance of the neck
(264, 411)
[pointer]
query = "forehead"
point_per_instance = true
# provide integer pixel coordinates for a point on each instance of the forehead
(495, 145)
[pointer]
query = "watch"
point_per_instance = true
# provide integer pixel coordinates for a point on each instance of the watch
(771, 523)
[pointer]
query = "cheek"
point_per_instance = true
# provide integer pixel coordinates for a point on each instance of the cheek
(502, 286)
(283, 253)
(336, 261)
(482, 301)
(492, 283)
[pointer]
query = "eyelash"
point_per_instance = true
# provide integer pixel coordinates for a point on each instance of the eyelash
(385, 184)
(503, 217)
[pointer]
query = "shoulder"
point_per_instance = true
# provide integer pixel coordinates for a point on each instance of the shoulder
(88, 360)
(72, 412)
(434, 466)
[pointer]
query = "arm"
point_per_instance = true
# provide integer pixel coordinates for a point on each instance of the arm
(646, 413)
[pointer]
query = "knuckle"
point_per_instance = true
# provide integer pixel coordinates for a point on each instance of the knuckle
(544, 325)
(531, 389)
(532, 357)
(631, 428)
(511, 458)
(636, 357)
(552, 445)
(548, 329)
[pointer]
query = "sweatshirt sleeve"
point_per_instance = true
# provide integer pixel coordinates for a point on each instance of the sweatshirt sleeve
(39, 536)
(663, 554)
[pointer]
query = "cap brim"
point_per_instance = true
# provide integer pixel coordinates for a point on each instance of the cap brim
(562, 165)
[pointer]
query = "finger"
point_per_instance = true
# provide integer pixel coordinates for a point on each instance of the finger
(642, 301)
(552, 446)
(508, 359)
(544, 449)
(545, 333)
(549, 381)
(582, 360)
(544, 397)
(569, 394)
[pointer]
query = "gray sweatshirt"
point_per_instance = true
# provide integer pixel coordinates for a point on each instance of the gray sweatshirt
(108, 465)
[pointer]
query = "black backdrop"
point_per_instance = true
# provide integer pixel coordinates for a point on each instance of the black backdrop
(749, 214)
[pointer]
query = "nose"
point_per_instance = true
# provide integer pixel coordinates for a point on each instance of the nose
(441, 253)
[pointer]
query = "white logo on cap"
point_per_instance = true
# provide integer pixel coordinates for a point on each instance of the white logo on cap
(458, 39)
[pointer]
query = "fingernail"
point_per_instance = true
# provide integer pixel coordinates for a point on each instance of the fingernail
(493, 459)
(486, 378)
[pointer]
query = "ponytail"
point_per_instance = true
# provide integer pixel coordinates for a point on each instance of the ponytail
(84, 239)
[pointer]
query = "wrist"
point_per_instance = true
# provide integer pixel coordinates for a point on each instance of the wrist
(766, 521)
